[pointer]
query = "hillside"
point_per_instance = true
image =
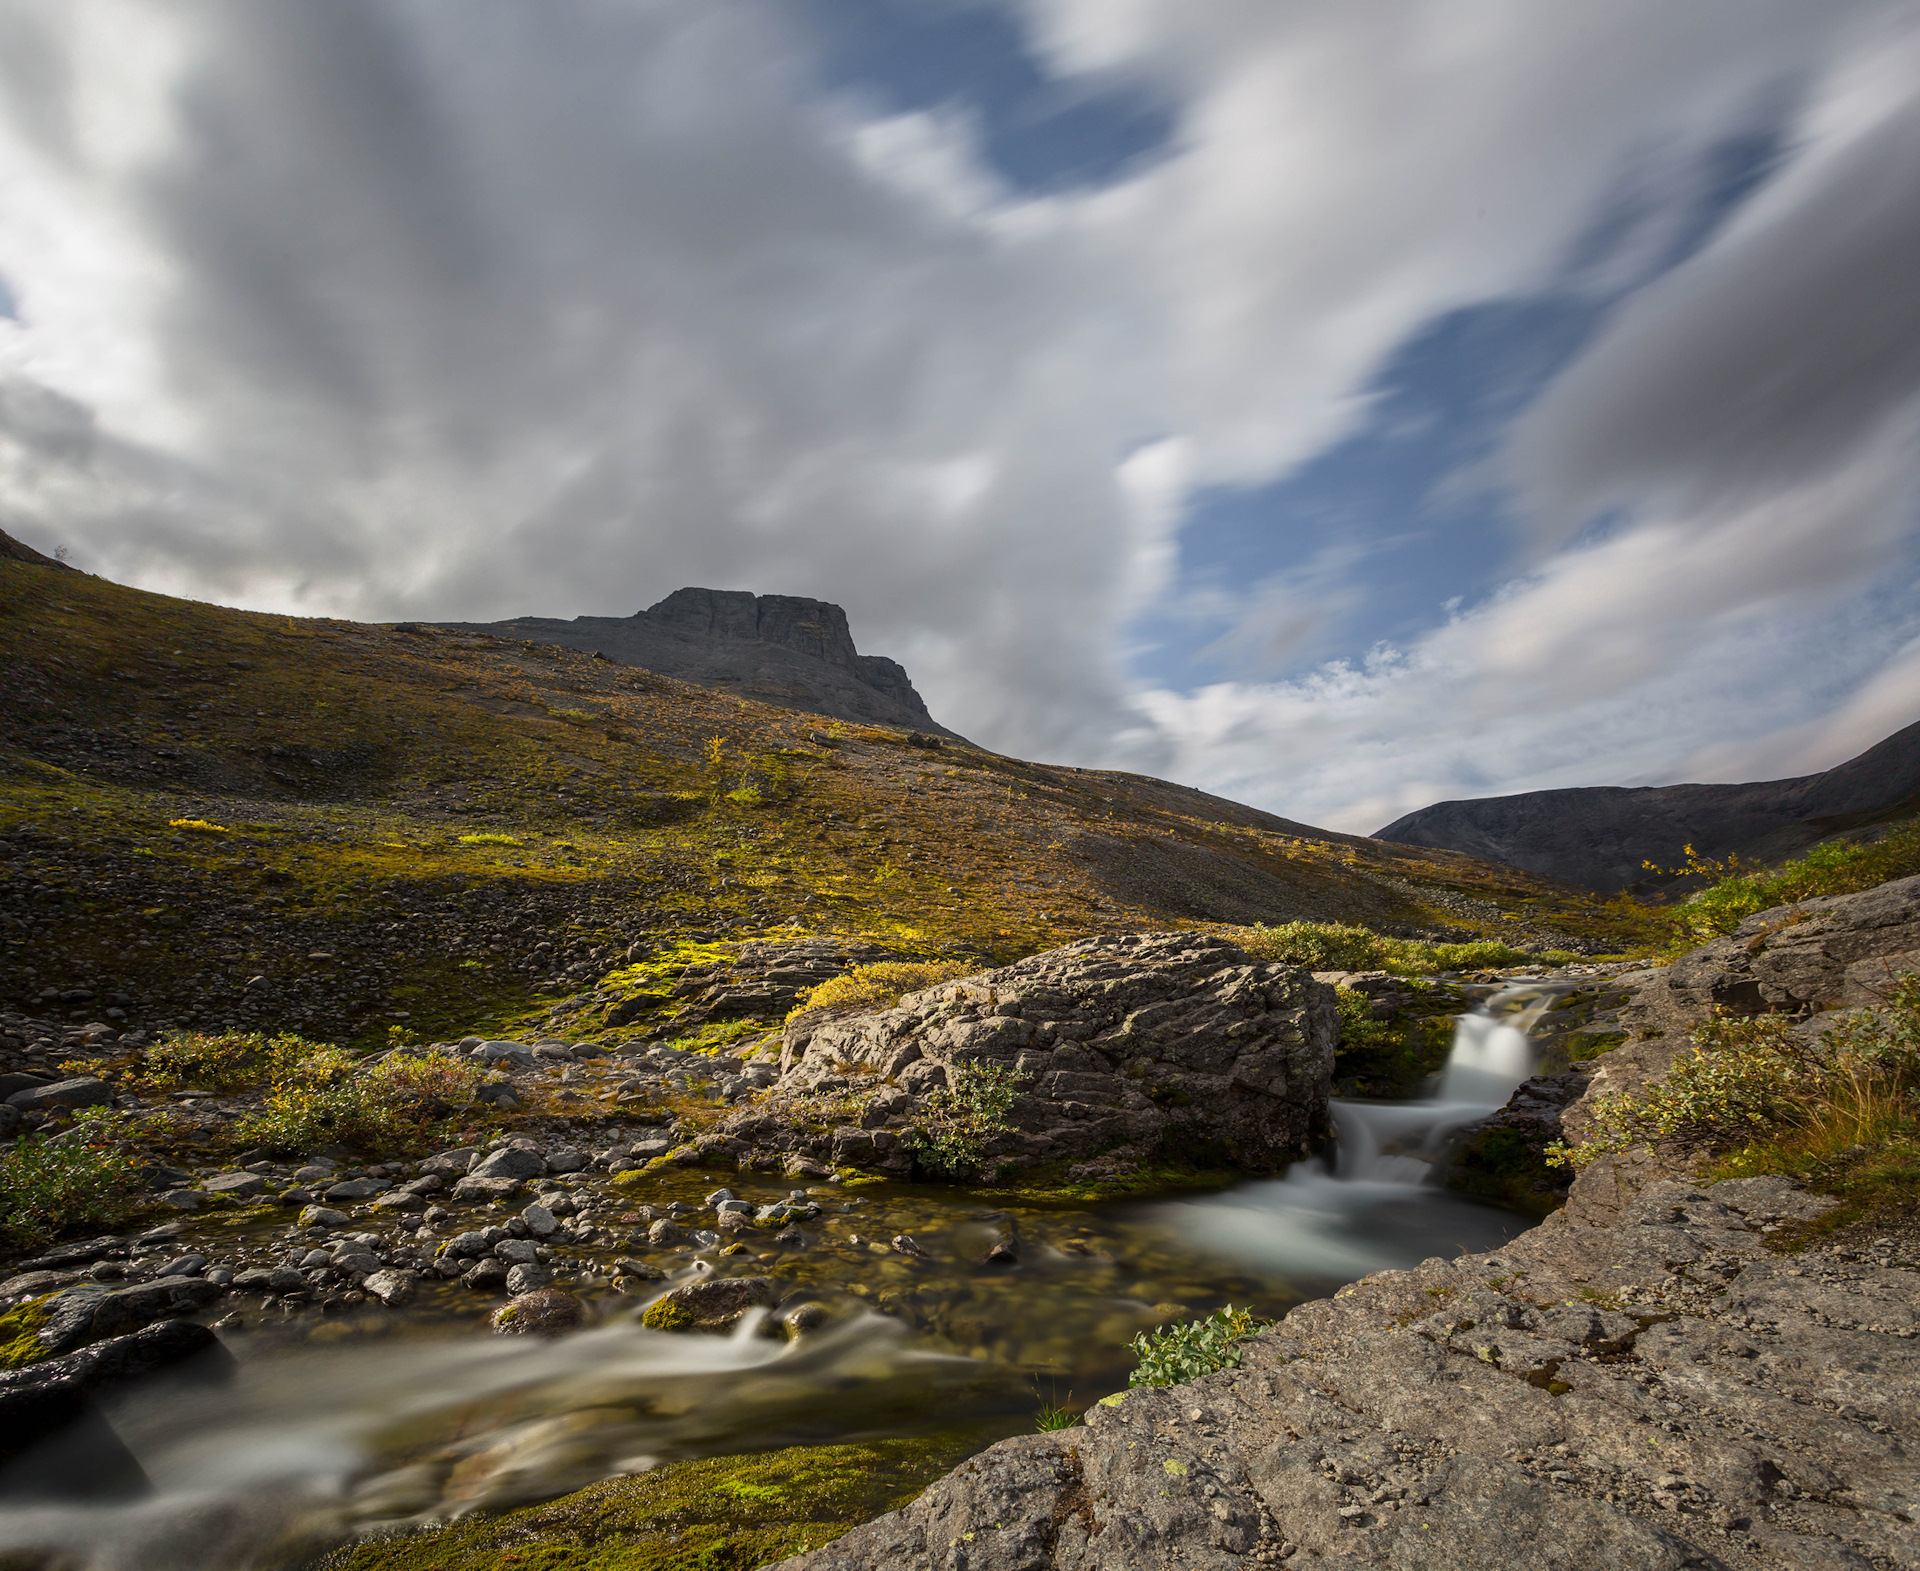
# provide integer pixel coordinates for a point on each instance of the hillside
(1600, 837)
(780, 649)
(211, 815)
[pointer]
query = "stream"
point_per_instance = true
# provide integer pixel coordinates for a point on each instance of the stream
(377, 1418)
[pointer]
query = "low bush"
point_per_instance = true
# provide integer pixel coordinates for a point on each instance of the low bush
(1339, 946)
(1839, 867)
(219, 1061)
(1759, 1090)
(320, 1095)
(880, 986)
(77, 1181)
(957, 1121)
(1170, 1355)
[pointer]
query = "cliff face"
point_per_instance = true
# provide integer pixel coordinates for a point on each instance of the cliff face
(780, 649)
(1599, 836)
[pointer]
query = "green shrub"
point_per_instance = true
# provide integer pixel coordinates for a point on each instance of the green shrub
(321, 1095)
(957, 1121)
(77, 1181)
(1839, 867)
(1339, 946)
(1170, 1355)
(1757, 1083)
(219, 1061)
(865, 989)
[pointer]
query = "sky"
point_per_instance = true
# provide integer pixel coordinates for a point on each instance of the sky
(1340, 405)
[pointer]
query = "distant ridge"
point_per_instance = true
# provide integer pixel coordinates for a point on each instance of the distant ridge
(781, 649)
(1600, 836)
(11, 550)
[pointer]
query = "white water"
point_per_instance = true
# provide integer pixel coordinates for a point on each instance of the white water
(309, 1445)
(1380, 1207)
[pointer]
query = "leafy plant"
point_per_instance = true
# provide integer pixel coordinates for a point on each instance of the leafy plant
(1759, 1082)
(958, 1120)
(73, 1181)
(1169, 1355)
(1054, 1414)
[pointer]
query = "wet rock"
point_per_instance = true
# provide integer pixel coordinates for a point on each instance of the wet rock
(471, 1188)
(527, 1276)
(183, 1265)
(515, 1251)
(353, 1189)
(392, 1288)
(664, 1234)
(540, 1221)
(711, 1305)
(324, 1216)
(639, 1270)
(904, 1244)
(34, 1284)
(54, 1442)
(803, 1318)
(486, 1276)
(566, 1159)
(541, 1311)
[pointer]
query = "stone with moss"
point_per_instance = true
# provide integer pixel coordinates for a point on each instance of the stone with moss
(729, 1513)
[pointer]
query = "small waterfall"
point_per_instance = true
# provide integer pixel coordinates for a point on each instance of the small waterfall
(1492, 1053)
(1380, 1207)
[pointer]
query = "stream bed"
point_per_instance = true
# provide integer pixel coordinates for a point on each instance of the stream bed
(376, 1417)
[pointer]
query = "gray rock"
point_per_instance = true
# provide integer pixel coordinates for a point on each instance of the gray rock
(184, 1265)
(34, 1284)
(471, 1188)
(81, 1091)
(235, 1185)
(497, 1093)
(527, 1276)
(540, 1221)
(486, 1276)
(353, 1189)
(1158, 1044)
(540, 1311)
(516, 1251)
(323, 1216)
(181, 1199)
(567, 1159)
(639, 1270)
(509, 1162)
(392, 1288)
(664, 1234)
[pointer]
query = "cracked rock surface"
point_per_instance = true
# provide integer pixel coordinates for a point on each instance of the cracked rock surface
(1662, 1392)
(1130, 1049)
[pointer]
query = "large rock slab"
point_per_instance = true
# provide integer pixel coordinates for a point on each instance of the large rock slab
(1145, 1048)
(1661, 1394)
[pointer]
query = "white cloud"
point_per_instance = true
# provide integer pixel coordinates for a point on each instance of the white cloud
(470, 308)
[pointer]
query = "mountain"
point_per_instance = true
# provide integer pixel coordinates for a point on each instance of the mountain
(221, 815)
(1599, 837)
(781, 649)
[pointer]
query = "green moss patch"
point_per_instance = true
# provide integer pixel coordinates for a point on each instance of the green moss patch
(729, 1513)
(20, 1329)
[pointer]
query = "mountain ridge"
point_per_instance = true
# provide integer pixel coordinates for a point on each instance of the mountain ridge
(1601, 837)
(788, 650)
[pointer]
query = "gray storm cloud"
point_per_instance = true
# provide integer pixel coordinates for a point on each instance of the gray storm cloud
(468, 308)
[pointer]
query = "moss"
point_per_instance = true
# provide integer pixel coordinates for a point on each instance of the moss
(1583, 1046)
(665, 1314)
(20, 1329)
(1047, 1184)
(729, 1513)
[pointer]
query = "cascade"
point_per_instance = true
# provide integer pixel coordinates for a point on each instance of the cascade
(1378, 1206)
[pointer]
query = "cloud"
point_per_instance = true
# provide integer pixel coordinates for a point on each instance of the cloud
(467, 308)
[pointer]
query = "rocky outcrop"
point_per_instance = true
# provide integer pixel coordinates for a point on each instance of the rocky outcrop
(781, 649)
(1661, 1394)
(1133, 1050)
(1600, 836)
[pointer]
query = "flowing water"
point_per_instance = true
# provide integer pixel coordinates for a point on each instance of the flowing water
(335, 1424)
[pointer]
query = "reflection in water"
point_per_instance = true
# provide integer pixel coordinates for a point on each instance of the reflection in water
(422, 1421)
(1380, 1207)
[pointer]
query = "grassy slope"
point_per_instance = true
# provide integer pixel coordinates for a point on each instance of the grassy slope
(346, 761)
